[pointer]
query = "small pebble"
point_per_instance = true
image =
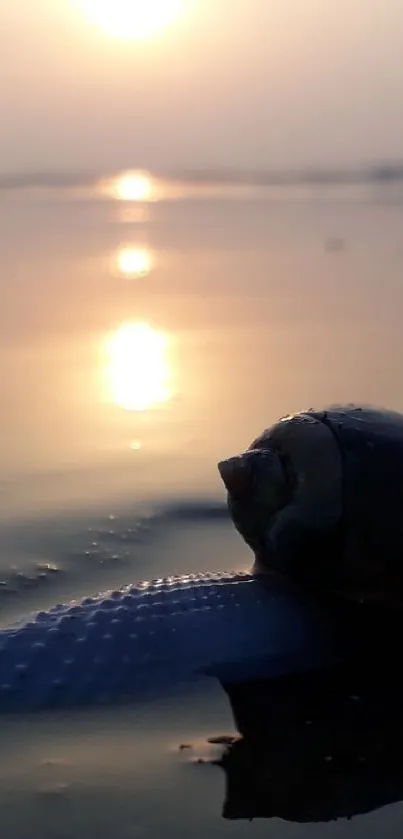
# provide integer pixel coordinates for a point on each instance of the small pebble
(47, 567)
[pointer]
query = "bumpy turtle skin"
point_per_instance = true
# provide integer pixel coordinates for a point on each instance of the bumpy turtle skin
(138, 641)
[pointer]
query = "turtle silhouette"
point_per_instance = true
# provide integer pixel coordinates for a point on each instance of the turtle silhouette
(318, 497)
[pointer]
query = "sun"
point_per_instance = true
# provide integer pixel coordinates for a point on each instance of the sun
(133, 186)
(133, 19)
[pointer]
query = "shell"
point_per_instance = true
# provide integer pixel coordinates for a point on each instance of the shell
(340, 529)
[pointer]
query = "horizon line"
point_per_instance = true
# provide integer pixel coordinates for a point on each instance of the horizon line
(307, 175)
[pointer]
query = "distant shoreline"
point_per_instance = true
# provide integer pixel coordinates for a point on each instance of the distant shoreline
(387, 173)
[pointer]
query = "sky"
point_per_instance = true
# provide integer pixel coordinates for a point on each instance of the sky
(255, 84)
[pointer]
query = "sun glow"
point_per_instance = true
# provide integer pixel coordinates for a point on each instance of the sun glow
(133, 262)
(133, 186)
(133, 19)
(138, 370)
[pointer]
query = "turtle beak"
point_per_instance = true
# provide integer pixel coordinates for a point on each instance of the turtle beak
(234, 474)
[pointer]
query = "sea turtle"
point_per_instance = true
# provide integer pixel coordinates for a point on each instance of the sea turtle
(318, 497)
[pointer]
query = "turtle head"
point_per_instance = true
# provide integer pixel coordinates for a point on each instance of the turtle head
(256, 476)
(257, 488)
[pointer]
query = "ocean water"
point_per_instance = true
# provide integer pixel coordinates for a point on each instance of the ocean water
(147, 329)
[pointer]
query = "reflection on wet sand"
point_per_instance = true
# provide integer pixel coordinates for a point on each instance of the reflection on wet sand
(133, 261)
(138, 367)
(317, 747)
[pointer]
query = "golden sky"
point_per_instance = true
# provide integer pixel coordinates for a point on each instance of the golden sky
(244, 83)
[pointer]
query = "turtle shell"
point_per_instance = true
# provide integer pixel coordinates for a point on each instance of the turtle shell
(371, 448)
(358, 555)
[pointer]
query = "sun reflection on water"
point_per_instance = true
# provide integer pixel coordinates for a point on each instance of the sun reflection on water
(133, 213)
(133, 261)
(139, 374)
